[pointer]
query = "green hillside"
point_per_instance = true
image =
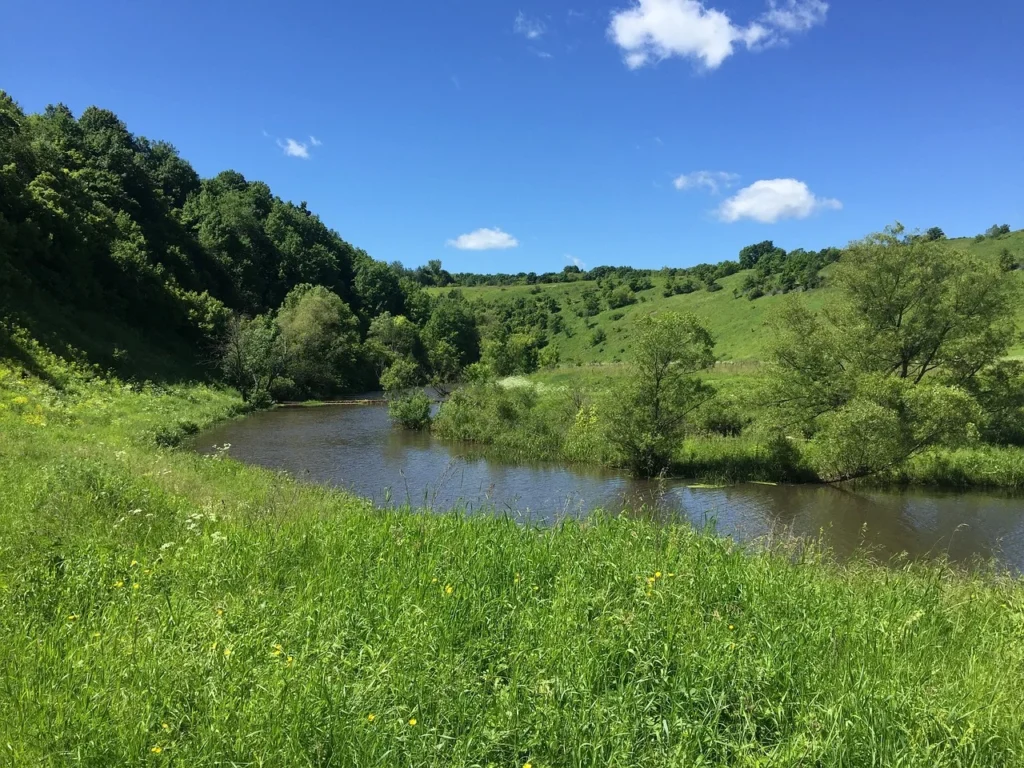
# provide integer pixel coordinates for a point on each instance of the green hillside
(737, 323)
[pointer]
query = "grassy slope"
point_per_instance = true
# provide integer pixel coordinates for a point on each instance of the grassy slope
(738, 324)
(162, 608)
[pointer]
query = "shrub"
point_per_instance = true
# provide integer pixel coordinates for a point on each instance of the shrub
(598, 337)
(411, 411)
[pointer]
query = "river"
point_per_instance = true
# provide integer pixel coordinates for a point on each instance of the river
(356, 448)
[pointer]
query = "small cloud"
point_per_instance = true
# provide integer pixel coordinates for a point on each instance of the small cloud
(772, 200)
(653, 30)
(713, 181)
(484, 240)
(293, 148)
(574, 14)
(528, 27)
(265, 134)
(541, 54)
(795, 15)
(315, 142)
(578, 262)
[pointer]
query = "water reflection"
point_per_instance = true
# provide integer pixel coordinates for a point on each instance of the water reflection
(355, 447)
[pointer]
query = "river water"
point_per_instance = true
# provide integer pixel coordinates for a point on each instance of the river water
(355, 447)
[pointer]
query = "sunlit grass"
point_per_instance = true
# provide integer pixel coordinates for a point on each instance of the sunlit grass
(164, 608)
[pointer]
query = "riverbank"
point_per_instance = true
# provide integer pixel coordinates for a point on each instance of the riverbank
(163, 607)
(561, 415)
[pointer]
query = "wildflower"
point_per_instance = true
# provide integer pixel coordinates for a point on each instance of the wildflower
(118, 584)
(731, 627)
(449, 589)
(227, 653)
(133, 563)
(371, 717)
(166, 727)
(289, 661)
(412, 721)
(95, 634)
(147, 571)
(157, 749)
(433, 580)
(517, 579)
(278, 649)
(527, 765)
(650, 579)
(220, 611)
(73, 617)
(135, 585)
(657, 574)
(670, 574)
(214, 646)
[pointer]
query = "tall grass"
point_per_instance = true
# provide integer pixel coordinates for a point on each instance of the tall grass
(164, 608)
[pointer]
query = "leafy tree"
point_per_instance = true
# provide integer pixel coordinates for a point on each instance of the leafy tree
(509, 354)
(914, 311)
(751, 255)
(252, 356)
(997, 230)
(934, 233)
(453, 323)
(1007, 261)
(648, 414)
(379, 289)
(321, 340)
(392, 337)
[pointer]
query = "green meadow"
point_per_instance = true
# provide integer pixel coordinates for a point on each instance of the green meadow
(163, 608)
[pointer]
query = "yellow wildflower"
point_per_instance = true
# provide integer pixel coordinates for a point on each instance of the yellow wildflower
(133, 563)
(650, 579)
(433, 580)
(731, 627)
(157, 749)
(118, 584)
(73, 617)
(135, 585)
(278, 649)
(214, 646)
(449, 589)
(227, 653)
(657, 574)
(527, 765)
(290, 661)
(95, 634)
(412, 721)
(371, 717)
(166, 727)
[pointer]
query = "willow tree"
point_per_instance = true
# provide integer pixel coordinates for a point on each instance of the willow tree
(649, 412)
(891, 366)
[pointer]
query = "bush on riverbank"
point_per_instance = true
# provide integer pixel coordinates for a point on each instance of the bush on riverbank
(165, 607)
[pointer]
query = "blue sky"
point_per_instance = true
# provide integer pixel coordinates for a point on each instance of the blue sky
(652, 133)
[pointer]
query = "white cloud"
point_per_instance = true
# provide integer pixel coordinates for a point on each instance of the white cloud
(578, 262)
(293, 148)
(795, 15)
(652, 30)
(541, 54)
(484, 240)
(528, 27)
(713, 181)
(770, 200)
(315, 142)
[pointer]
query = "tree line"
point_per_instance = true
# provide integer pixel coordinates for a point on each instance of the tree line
(99, 219)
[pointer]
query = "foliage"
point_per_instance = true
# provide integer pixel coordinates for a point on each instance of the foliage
(934, 233)
(651, 408)
(510, 354)
(411, 411)
(252, 356)
(1007, 261)
(320, 337)
(911, 327)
